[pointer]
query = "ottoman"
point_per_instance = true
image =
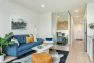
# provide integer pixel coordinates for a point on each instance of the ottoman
(41, 58)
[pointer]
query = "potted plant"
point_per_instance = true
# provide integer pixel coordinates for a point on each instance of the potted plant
(4, 42)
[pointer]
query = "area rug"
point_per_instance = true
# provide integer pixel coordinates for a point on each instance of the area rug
(61, 58)
(24, 58)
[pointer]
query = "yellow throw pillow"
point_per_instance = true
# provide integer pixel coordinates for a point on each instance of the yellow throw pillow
(29, 39)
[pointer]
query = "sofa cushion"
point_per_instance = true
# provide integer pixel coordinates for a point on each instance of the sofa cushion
(23, 52)
(27, 46)
(21, 38)
(12, 50)
(48, 39)
(29, 39)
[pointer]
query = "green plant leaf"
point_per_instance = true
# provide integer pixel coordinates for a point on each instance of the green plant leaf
(5, 41)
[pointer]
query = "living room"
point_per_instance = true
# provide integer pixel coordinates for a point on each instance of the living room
(42, 20)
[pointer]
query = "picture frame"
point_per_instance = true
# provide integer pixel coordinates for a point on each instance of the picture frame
(18, 23)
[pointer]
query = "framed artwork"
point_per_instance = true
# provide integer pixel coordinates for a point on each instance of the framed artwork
(18, 23)
(62, 25)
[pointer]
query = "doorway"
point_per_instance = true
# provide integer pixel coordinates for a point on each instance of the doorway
(78, 30)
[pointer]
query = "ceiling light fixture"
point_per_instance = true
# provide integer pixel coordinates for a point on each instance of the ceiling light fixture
(42, 5)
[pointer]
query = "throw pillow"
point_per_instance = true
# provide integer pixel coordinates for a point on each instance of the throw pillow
(29, 39)
(15, 41)
(32, 36)
(35, 40)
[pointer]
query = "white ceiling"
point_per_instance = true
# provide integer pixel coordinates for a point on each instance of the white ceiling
(57, 6)
(52, 5)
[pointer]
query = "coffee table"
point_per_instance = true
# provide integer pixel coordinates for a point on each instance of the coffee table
(43, 48)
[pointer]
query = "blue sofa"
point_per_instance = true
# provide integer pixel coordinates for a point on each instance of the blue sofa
(23, 48)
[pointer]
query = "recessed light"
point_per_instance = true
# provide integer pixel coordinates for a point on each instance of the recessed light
(76, 10)
(42, 5)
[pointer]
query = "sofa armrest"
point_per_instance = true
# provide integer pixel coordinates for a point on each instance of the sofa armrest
(12, 50)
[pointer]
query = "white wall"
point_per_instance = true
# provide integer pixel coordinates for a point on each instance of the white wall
(39, 24)
(90, 47)
(90, 17)
(78, 31)
(1, 17)
(44, 25)
(90, 32)
(9, 9)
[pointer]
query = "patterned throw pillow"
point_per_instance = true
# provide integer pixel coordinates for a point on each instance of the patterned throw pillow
(15, 41)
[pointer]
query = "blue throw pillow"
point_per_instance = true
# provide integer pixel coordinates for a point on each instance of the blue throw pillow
(48, 39)
(21, 38)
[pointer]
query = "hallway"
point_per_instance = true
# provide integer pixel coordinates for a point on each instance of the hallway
(77, 54)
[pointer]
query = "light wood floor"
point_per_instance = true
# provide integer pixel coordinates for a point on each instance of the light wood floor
(77, 54)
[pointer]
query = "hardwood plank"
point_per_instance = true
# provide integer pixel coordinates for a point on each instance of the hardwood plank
(77, 54)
